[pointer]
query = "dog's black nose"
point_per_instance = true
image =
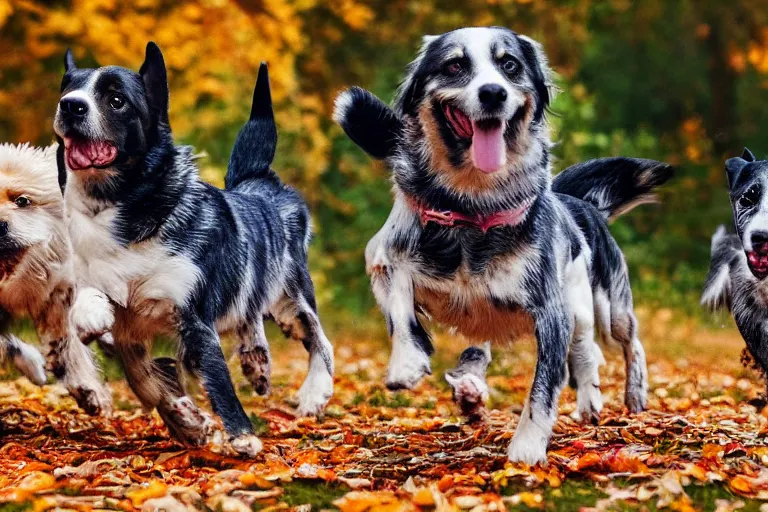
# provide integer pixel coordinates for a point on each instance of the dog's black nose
(73, 107)
(3, 228)
(758, 238)
(492, 96)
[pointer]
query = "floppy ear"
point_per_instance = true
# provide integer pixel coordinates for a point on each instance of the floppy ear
(368, 121)
(733, 167)
(748, 156)
(155, 81)
(69, 61)
(410, 91)
(536, 60)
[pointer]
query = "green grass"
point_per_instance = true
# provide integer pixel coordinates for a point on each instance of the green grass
(15, 507)
(260, 425)
(575, 493)
(320, 496)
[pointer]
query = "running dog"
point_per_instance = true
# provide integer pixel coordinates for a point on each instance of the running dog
(159, 251)
(482, 240)
(739, 265)
(37, 277)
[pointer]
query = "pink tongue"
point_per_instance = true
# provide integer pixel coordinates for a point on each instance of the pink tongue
(82, 155)
(488, 150)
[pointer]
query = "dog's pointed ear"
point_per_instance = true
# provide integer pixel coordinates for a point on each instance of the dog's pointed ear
(748, 156)
(69, 61)
(486, 346)
(411, 90)
(733, 167)
(155, 79)
(368, 121)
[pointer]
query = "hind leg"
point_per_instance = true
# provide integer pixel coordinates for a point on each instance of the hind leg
(254, 355)
(296, 314)
(624, 331)
(582, 357)
(68, 359)
(470, 390)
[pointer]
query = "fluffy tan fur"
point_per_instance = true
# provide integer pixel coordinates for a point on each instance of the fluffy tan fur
(37, 278)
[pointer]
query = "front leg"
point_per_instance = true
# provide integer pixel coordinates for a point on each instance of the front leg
(553, 333)
(68, 359)
(25, 358)
(411, 344)
(203, 357)
(92, 315)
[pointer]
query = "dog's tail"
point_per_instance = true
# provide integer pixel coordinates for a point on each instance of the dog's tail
(717, 287)
(256, 143)
(613, 185)
(368, 121)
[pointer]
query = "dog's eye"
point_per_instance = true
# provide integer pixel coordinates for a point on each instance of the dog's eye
(453, 68)
(510, 65)
(22, 202)
(116, 101)
(750, 198)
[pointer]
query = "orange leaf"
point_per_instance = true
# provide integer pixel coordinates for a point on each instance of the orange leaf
(155, 489)
(423, 498)
(740, 484)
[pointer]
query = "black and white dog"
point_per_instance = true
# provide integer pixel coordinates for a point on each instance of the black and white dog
(481, 240)
(159, 251)
(739, 265)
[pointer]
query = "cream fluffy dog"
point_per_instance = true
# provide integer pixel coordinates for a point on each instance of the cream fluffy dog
(37, 276)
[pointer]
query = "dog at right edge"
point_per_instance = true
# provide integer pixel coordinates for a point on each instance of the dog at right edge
(482, 240)
(739, 264)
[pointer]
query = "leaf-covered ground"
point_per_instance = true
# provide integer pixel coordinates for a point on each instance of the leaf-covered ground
(701, 446)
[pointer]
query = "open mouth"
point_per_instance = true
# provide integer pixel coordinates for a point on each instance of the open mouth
(489, 151)
(82, 154)
(757, 261)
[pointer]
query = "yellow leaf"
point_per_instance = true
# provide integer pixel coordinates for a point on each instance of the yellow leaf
(155, 489)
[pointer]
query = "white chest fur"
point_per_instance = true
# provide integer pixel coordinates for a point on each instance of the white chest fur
(130, 273)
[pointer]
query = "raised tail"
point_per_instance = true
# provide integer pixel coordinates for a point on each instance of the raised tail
(256, 143)
(368, 121)
(717, 287)
(613, 185)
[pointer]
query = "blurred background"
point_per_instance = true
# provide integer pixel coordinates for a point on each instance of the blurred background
(685, 82)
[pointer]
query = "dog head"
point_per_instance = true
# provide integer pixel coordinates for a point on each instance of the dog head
(110, 118)
(475, 94)
(31, 205)
(748, 188)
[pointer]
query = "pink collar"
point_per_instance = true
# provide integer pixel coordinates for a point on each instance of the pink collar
(484, 222)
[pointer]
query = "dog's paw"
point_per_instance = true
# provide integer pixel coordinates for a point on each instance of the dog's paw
(470, 393)
(257, 369)
(91, 314)
(315, 393)
(527, 452)
(94, 399)
(29, 361)
(247, 444)
(186, 421)
(405, 371)
(529, 444)
(636, 400)
(589, 402)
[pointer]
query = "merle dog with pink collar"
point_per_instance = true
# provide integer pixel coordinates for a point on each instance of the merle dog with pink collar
(480, 238)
